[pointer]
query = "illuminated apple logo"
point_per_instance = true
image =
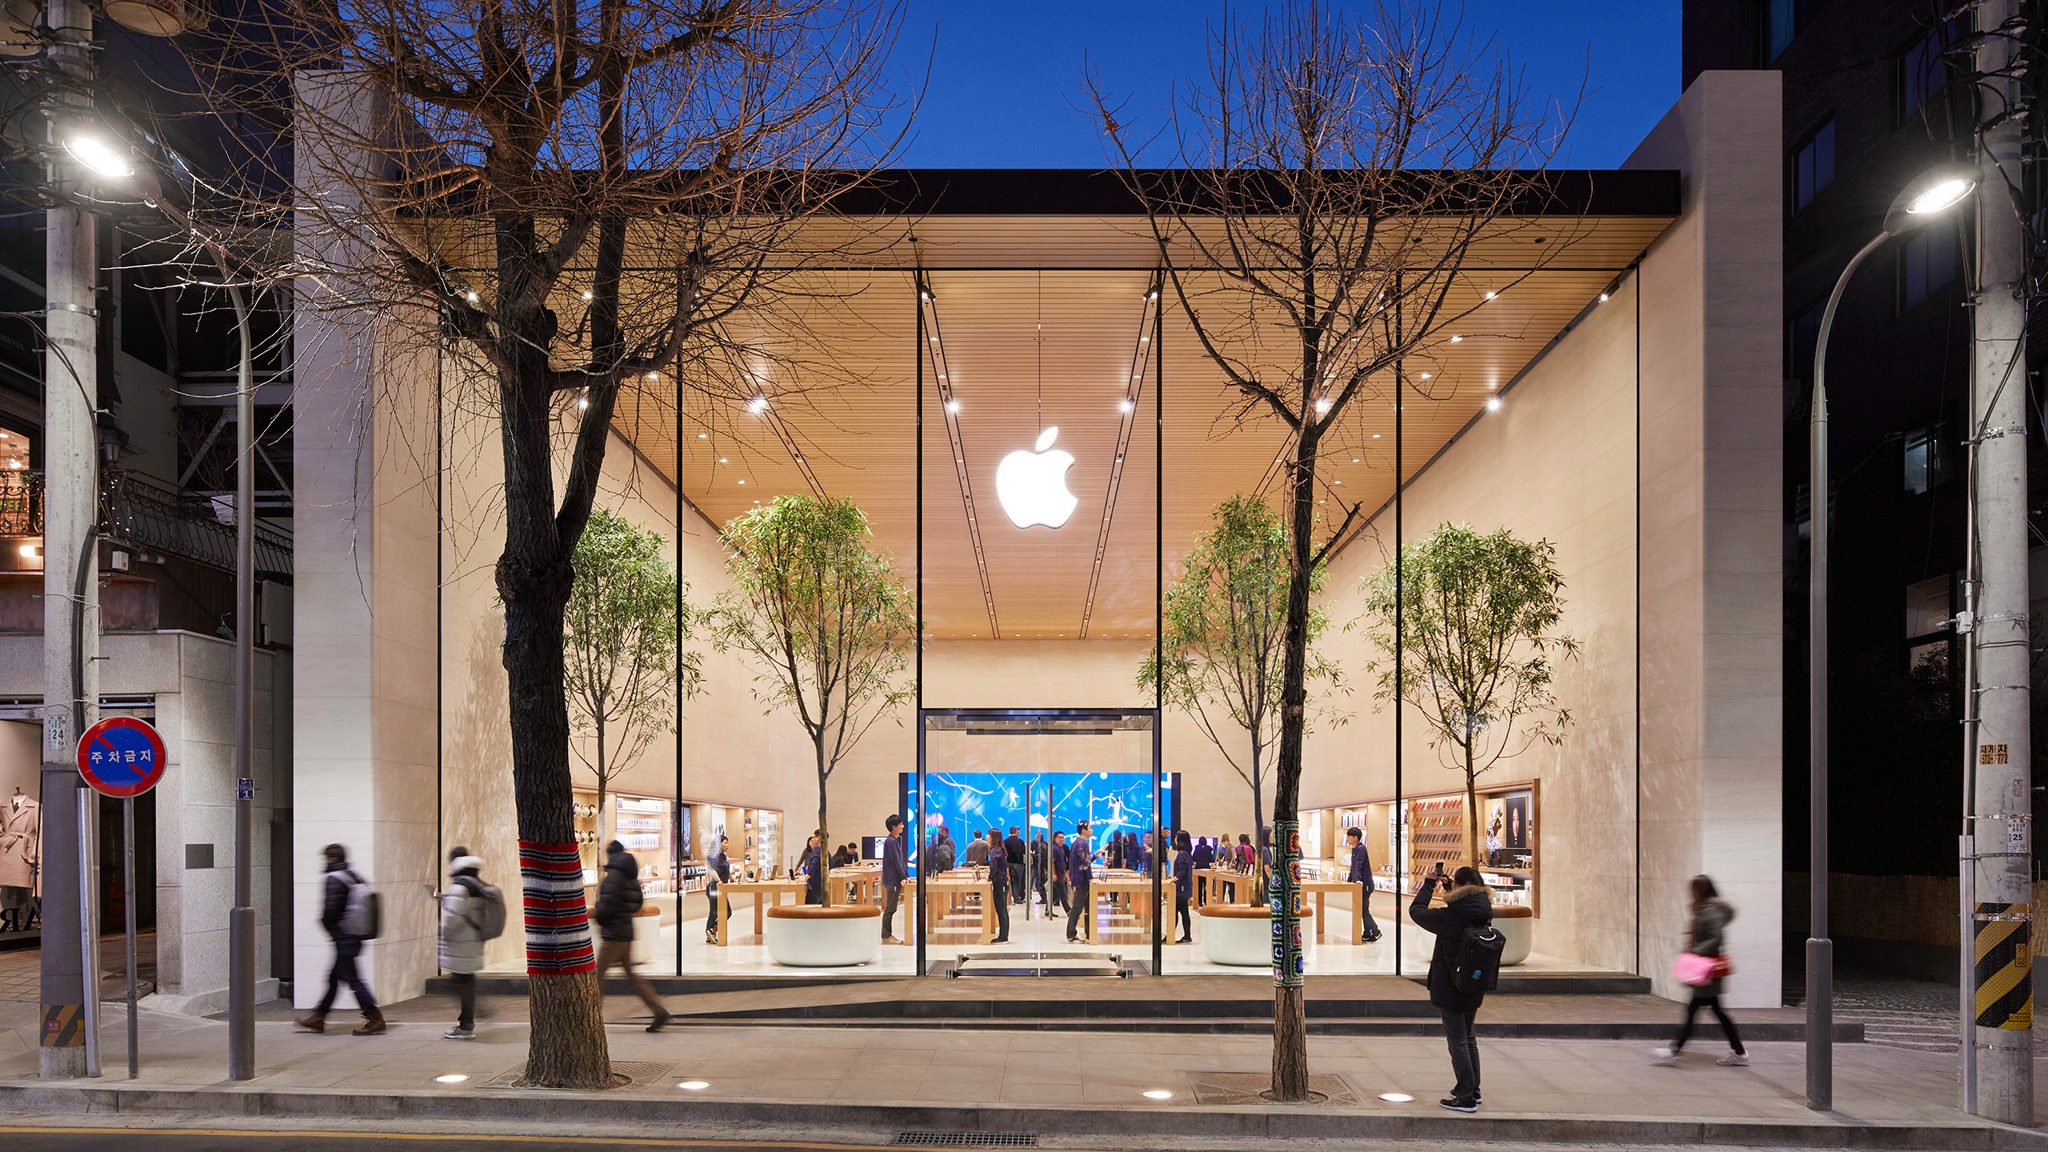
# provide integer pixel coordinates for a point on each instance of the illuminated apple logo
(1033, 485)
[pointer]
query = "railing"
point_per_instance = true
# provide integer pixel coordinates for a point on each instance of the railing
(21, 503)
(147, 516)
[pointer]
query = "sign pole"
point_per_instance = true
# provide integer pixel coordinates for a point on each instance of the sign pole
(89, 926)
(128, 914)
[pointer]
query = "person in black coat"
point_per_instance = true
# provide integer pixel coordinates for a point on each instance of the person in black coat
(1205, 857)
(619, 896)
(1013, 851)
(1000, 875)
(1183, 886)
(895, 870)
(339, 880)
(1361, 873)
(1057, 871)
(720, 870)
(1466, 905)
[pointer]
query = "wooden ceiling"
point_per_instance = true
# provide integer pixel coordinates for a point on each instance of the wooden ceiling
(1045, 321)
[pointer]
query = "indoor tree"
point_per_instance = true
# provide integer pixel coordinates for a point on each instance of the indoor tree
(623, 665)
(1319, 197)
(548, 215)
(1479, 640)
(826, 620)
(1225, 618)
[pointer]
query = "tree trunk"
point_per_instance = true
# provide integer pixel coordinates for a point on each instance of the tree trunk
(824, 864)
(603, 832)
(1290, 1030)
(1472, 840)
(1255, 891)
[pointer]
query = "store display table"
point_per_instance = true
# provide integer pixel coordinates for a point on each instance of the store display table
(1321, 890)
(949, 892)
(1115, 883)
(764, 892)
(1219, 879)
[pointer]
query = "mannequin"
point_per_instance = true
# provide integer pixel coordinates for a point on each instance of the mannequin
(21, 841)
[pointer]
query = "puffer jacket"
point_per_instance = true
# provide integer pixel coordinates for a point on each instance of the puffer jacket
(618, 897)
(462, 910)
(1467, 907)
(1709, 936)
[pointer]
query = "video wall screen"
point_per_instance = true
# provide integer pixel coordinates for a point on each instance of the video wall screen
(1041, 803)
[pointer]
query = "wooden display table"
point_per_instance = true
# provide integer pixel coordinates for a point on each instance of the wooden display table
(765, 893)
(1127, 884)
(1218, 878)
(950, 891)
(1321, 890)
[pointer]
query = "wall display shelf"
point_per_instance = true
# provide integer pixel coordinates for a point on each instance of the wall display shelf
(1424, 830)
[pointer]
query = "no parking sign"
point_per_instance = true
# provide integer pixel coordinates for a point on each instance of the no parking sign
(121, 757)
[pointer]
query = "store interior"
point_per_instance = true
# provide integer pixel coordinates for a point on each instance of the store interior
(1526, 421)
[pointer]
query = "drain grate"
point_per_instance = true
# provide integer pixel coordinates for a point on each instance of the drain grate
(966, 1140)
(634, 1074)
(1235, 1089)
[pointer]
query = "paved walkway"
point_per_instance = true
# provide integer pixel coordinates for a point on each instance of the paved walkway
(1037, 1080)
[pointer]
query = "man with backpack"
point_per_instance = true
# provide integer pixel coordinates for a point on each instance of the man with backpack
(619, 896)
(349, 910)
(1464, 965)
(471, 913)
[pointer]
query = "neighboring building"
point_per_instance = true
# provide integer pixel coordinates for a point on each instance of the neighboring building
(1873, 96)
(167, 368)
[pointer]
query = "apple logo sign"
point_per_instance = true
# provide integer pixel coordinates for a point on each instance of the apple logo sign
(1033, 485)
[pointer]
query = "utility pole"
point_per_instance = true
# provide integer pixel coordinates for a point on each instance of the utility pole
(2002, 1037)
(70, 961)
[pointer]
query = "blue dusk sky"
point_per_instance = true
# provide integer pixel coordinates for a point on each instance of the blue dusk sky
(1004, 87)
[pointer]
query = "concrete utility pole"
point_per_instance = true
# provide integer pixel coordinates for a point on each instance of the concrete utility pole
(71, 625)
(2002, 798)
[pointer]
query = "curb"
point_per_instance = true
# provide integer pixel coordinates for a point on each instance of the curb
(593, 1112)
(1846, 1032)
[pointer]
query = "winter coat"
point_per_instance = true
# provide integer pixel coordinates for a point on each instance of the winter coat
(1013, 849)
(998, 872)
(1184, 876)
(1361, 865)
(1205, 854)
(462, 915)
(814, 876)
(1709, 936)
(977, 853)
(618, 897)
(942, 853)
(1467, 907)
(334, 898)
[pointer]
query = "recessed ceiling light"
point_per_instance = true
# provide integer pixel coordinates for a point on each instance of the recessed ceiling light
(1426, 375)
(586, 294)
(582, 402)
(757, 405)
(700, 1085)
(450, 1078)
(1323, 406)
(1336, 482)
(473, 297)
(1457, 339)
(1603, 297)
(1354, 459)
(723, 460)
(1493, 404)
(1491, 294)
(1125, 406)
(1401, 1097)
(703, 435)
(743, 481)
(1375, 435)
(953, 407)
(652, 375)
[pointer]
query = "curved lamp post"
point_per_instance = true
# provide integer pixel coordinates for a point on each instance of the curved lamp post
(1921, 202)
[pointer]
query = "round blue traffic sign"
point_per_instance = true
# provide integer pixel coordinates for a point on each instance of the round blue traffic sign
(121, 757)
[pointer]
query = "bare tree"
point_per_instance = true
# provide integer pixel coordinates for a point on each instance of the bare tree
(1325, 189)
(579, 204)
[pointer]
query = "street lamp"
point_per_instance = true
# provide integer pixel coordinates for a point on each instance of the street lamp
(1920, 203)
(99, 157)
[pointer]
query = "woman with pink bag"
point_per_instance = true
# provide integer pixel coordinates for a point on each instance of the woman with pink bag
(1703, 965)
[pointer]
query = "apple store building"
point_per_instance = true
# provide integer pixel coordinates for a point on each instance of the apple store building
(939, 624)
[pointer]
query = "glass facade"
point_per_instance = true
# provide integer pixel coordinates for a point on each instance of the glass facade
(940, 402)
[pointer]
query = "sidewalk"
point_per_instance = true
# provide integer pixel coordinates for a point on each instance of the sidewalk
(876, 1080)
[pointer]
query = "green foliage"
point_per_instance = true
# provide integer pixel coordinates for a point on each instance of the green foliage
(824, 616)
(1225, 630)
(621, 633)
(1480, 641)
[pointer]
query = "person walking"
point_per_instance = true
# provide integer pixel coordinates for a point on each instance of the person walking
(1708, 937)
(619, 896)
(1183, 886)
(1038, 859)
(1361, 874)
(342, 915)
(1013, 851)
(1204, 858)
(999, 876)
(718, 870)
(1057, 867)
(813, 868)
(1080, 870)
(462, 939)
(942, 851)
(1466, 905)
(895, 869)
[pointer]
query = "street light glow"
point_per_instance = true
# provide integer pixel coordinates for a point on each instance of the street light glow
(1940, 198)
(757, 405)
(98, 156)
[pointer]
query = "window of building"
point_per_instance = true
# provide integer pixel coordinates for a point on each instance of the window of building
(1813, 165)
(1782, 21)
(1923, 73)
(1927, 608)
(1927, 264)
(1925, 461)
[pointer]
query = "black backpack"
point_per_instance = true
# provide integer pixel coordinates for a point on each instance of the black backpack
(1475, 963)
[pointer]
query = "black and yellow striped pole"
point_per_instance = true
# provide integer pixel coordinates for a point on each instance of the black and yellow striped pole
(2004, 967)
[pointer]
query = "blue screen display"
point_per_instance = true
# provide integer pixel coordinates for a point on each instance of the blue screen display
(1112, 802)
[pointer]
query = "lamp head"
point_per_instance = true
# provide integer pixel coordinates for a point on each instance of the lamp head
(97, 154)
(1929, 196)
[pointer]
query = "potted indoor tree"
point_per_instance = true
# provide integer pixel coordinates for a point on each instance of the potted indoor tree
(1219, 662)
(830, 626)
(1479, 619)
